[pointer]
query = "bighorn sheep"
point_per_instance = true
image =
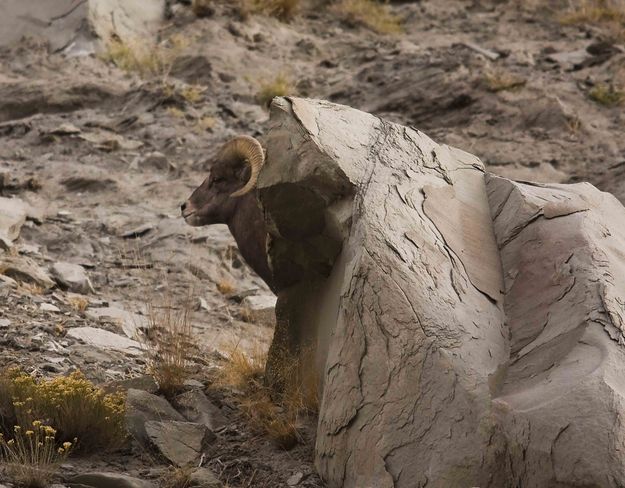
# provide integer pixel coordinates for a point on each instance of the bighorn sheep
(226, 197)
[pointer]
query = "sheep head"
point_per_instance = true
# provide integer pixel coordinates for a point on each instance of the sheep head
(233, 174)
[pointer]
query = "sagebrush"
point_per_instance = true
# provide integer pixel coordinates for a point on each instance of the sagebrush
(75, 407)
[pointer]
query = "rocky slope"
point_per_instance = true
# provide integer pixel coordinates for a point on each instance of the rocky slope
(100, 160)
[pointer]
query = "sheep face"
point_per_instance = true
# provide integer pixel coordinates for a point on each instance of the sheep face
(212, 202)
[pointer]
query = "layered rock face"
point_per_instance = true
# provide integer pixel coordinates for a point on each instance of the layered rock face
(467, 328)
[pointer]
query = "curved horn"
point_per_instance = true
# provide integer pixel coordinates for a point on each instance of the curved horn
(250, 150)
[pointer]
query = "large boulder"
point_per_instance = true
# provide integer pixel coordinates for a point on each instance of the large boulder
(76, 25)
(467, 329)
(561, 397)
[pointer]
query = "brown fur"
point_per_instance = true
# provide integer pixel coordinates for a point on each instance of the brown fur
(211, 203)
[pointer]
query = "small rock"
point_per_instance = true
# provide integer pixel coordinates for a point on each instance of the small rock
(196, 407)
(48, 307)
(4, 323)
(143, 383)
(201, 304)
(138, 231)
(193, 384)
(13, 214)
(108, 480)
(130, 322)
(179, 442)
(8, 282)
(26, 270)
(103, 339)
(65, 129)
(72, 277)
(569, 59)
(141, 407)
(204, 478)
(261, 308)
(155, 160)
(295, 479)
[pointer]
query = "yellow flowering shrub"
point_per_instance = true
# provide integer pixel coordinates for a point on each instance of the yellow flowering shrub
(31, 456)
(72, 404)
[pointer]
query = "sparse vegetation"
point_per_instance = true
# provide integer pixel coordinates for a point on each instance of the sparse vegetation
(279, 86)
(281, 9)
(370, 13)
(78, 303)
(192, 93)
(607, 95)
(177, 477)
(169, 344)
(176, 112)
(498, 80)
(30, 288)
(205, 123)
(605, 13)
(31, 456)
(226, 287)
(275, 414)
(72, 404)
(144, 58)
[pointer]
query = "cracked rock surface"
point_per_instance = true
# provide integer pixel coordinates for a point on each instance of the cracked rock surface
(469, 328)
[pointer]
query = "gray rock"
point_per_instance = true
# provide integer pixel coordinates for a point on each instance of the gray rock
(103, 339)
(155, 160)
(5, 281)
(561, 249)
(469, 329)
(72, 277)
(4, 323)
(26, 270)
(196, 407)
(179, 442)
(144, 383)
(204, 478)
(13, 214)
(261, 308)
(142, 407)
(129, 322)
(48, 307)
(108, 480)
(295, 479)
(193, 384)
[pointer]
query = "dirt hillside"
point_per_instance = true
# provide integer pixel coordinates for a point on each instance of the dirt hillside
(101, 150)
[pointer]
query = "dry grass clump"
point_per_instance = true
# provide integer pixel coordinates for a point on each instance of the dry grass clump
(31, 457)
(277, 414)
(370, 13)
(226, 287)
(605, 13)
(72, 404)
(170, 344)
(78, 303)
(282, 9)
(145, 58)
(497, 80)
(607, 95)
(177, 477)
(205, 123)
(30, 288)
(279, 86)
(192, 93)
